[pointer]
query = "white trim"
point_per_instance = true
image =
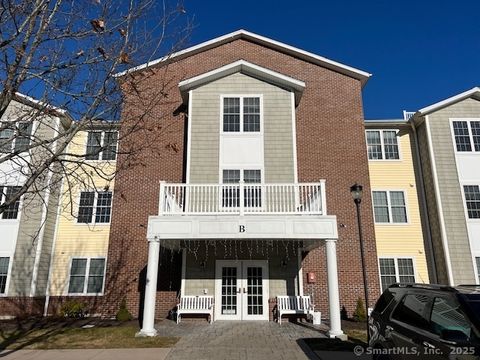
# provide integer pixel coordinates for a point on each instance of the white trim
(470, 135)
(242, 296)
(94, 210)
(102, 139)
(10, 256)
(389, 206)
(43, 221)
(439, 203)
(189, 136)
(475, 267)
(294, 138)
(87, 275)
(300, 271)
(450, 101)
(184, 272)
(316, 59)
(382, 144)
(241, 132)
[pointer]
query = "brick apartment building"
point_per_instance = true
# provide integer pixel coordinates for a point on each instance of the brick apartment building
(244, 190)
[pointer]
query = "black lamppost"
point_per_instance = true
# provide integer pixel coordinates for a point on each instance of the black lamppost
(357, 191)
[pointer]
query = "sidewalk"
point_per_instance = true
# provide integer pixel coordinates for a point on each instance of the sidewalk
(87, 354)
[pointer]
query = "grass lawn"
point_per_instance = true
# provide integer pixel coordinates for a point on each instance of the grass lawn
(73, 336)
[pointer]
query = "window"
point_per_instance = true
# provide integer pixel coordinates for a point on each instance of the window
(411, 310)
(6, 193)
(4, 261)
(447, 316)
(102, 145)
(389, 207)
(241, 114)
(472, 200)
(252, 193)
(382, 144)
(467, 135)
(86, 276)
(394, 270)
(477, 259)
(95, 205)
(16, 137)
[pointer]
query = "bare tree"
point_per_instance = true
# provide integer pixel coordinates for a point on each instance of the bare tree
(63, 56)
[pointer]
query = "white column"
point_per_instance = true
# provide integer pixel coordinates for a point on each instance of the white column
(148, 328)
(333, 296)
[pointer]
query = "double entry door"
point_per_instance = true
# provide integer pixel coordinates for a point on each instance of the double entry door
(241, 290)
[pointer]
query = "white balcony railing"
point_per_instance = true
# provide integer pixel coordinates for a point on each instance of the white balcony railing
(241, 199)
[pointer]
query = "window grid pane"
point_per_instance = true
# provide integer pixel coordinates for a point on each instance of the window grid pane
(387, 273)
(104, 207)
(6, 138)
(391, 145)
(22, 140)
(4, 261)
(477, 259)
(374, 145)
(110, 140)
(252, 193)
(462, 138)
(399, 210)
(95, 276)
(380, 207)
(11, 211)
(472, 199)
(251, 114)
(231, 114)
(77, 276)
(93, 145)
(475, 126)
(85, 210)
(405, 271)
(231, 194)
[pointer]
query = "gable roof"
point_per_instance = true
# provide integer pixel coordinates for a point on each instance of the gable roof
(261, 40)
(472, 93)
(246, 68)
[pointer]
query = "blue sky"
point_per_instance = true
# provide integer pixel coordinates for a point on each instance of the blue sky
(419, 52)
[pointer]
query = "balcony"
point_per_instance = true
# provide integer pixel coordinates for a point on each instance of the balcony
(242, 211)
(242, 199)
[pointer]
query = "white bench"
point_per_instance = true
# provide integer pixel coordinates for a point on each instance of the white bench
(195, 305)
(293, 305)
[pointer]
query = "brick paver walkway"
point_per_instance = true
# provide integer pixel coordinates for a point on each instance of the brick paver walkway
(237, 340)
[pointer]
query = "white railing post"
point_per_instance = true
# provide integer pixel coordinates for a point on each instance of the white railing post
(161, 200)
(242, 197)
(323, 197)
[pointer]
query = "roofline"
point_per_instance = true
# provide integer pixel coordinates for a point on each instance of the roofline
(248, 69)
(28, 100)
(451, 100)
(386, 122)
(358, 74)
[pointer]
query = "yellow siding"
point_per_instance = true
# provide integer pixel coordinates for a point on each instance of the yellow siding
(403, 239)
(73, 239)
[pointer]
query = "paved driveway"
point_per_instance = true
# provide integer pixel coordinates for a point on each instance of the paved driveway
(238, 340)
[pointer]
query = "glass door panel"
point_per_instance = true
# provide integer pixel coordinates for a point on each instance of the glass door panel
(229, 291)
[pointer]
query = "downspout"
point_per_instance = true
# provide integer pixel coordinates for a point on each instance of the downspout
(41, 235)
(423, 204)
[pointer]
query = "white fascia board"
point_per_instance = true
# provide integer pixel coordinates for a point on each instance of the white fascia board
(27, 100)
(449, 101)
(246, 68)
(316, 59)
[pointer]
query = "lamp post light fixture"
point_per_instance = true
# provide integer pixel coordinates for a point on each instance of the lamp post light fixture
(357, 192)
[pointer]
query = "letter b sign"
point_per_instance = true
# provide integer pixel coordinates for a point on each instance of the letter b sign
(241, 228)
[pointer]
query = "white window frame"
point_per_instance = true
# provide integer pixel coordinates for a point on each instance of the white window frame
(9, 271)
(395, 261)
(87, 275)
(242, 170)
(470, 135)
(464, 199)
(382, 143)
(389, 205)
(20, 205)
(243, 133)
(102, 139)
(476, 268)
(34, 128)
(94, 212)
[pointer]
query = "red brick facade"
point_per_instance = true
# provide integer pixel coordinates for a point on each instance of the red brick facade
(330, 145)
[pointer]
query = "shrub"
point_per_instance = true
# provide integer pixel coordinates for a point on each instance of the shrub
(360, 314)
(344, 313)
(73, 309)
(123, 314)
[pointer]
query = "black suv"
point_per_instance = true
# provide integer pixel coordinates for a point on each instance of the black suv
(426, 321)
